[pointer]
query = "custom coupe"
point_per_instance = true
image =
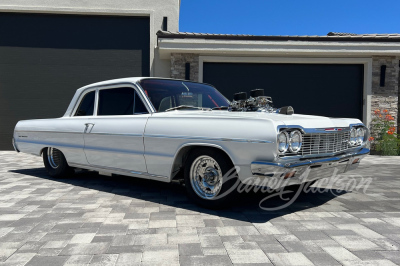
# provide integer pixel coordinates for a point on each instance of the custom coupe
(164, 129)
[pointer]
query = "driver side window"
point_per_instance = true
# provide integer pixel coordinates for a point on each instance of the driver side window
(120, 101)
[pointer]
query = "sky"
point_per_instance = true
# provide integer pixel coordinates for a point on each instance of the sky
(289, 17)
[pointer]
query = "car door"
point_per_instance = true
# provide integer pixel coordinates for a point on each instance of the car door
(70, 130)
(114, 136)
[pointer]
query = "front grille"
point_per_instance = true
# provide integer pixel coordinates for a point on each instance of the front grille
(319, 143)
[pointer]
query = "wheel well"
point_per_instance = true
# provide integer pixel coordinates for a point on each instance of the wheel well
(183, 154)
(41, 151)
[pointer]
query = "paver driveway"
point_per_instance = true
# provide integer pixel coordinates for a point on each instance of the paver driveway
(100, 220)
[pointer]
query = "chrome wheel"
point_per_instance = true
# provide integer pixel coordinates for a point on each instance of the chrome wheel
(206, 177)
(54, 157)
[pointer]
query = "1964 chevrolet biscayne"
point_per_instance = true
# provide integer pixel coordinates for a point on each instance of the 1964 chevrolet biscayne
(163, 129)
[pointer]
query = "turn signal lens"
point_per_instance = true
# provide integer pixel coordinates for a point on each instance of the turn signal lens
(289, 175)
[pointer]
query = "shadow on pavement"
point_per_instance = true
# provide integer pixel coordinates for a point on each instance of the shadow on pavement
(245, 208)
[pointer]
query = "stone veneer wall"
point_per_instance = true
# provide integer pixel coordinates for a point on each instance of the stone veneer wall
(178, 62)
(386, 97)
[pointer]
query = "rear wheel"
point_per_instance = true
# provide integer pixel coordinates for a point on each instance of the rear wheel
(210, 178)
(55, 163)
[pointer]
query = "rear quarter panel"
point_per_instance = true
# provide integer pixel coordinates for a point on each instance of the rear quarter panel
(65, 134)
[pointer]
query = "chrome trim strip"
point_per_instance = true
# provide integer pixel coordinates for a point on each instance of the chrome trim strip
(69, 132)
(50, 131)
(80, 98)
(116, 134)
(144, 97)
(51, 144)
(15, 145)
(206, 138)
(150, 108)
(294, 164)
(103, 149)
(117, 170)
(317, 130)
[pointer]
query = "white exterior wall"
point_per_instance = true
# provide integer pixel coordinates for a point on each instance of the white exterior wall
(155, 9)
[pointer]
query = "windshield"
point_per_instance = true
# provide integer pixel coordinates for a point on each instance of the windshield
(167, 94)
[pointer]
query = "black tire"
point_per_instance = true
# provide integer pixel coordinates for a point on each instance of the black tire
(62, 169)
(229, 182)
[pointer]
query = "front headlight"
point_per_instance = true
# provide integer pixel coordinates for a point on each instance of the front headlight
(353, 136)
(283, 142)
(295, 141)
(360, 135)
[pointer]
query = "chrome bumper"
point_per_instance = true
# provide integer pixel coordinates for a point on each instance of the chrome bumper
(280, 174)
(14, 145)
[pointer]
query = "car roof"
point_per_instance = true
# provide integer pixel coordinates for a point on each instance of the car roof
(127, 80)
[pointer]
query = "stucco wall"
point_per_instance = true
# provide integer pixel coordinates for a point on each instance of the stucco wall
(156, 9)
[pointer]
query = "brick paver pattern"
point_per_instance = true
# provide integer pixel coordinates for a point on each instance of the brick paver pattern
(90, 219)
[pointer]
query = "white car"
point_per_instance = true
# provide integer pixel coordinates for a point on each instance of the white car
(164, 129)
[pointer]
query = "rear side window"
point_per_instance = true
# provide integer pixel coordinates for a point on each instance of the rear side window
(86, 106)
(120, 101)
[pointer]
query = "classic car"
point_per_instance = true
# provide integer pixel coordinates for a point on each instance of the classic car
(165, 129)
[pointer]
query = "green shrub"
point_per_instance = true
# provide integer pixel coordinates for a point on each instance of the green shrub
(384, 137)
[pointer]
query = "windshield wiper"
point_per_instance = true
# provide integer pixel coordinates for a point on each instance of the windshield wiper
(183, 107)
(220, 108)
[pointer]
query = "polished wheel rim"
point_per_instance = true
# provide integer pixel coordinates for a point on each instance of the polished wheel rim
(54, 157)
(206, 177)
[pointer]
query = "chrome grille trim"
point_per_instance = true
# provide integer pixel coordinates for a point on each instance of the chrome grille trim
(322, 143)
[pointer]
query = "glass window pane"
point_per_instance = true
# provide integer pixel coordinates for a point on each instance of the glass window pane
(86, 106)
(165, 94)
(118, 101)
(140, 108)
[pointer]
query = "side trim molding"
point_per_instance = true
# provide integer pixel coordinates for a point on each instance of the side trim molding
(112, 170)
(206, 138)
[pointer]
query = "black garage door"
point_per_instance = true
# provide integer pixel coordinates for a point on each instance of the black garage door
(45, 58)
(315, 89)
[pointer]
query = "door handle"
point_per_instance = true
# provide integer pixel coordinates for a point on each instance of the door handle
(87, 126)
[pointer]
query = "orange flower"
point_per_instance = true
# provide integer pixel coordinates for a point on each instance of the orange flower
(389, 117)
(371, 138)
(377, 111)
(390, 132)
(392, 129)
(380, 116)
(385, 111)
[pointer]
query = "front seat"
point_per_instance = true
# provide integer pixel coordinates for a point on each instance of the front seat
(165, 104)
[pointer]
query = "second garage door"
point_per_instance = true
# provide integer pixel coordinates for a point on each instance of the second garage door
(334, 90)
(45, 58)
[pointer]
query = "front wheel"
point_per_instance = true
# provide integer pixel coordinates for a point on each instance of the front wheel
(55, 163)
(210, 178)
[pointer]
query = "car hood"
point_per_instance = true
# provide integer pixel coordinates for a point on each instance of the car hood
(305, 121)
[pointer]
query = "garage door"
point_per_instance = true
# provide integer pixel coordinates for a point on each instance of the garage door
(45, 58)
(315, 89)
